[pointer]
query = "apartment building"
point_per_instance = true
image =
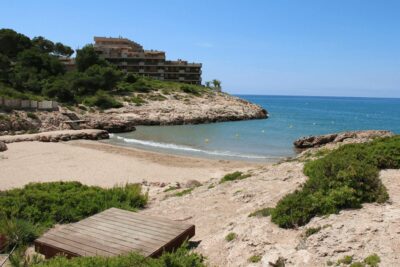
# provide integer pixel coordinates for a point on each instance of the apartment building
(130, 56)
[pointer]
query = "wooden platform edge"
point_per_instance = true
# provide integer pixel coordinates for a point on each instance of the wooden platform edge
(176, 242)
(50, 251)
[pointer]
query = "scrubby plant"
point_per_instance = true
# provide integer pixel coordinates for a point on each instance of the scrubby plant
(344, 178)
(265, 212)
(357, 264)
(255, 258)
(231, 236)
(17, 232)
(27, 212)
(372, 260)
(64, 202)
(310, 231)
(137, 100)
(345, 260)
(184, 192)
(234, 176)
(102, 100)
(182, 257)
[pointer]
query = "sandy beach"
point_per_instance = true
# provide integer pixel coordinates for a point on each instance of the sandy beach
(96, 163)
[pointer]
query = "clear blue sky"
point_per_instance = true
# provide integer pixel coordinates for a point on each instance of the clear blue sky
(307, 47)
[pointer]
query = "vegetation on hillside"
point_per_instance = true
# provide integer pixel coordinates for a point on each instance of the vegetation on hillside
(31, 69)
(344, 178)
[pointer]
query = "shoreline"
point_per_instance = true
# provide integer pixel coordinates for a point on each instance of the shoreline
(106, 165)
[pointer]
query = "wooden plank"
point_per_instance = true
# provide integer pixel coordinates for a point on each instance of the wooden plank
(114, 232)
(127, 241)
(89, 242)
(106, 227)
(136, 224)
(66, 247)
(148, 221)
(157, 220)
(118, 236)
(115, 225)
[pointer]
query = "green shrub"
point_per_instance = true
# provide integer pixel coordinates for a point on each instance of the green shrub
(372, 260)
(357, 264)
(189, 89)
(137, 100)
(311, 231)
(102, 100)
(18, 232)
(32, 115)
(345, 260)
(64, 202)
(344, 178)
(182, 257)
(255, 258)
(231, 236)
(234, 176)
(184, 192)
(265, 212)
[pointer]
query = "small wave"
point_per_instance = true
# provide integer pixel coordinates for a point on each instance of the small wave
(191, 149)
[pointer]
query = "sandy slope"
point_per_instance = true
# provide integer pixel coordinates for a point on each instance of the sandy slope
(225, 208)
(96, 163)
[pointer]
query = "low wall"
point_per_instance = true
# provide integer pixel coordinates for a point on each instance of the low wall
(28, 104)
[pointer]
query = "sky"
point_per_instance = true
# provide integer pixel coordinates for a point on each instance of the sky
(265, 47)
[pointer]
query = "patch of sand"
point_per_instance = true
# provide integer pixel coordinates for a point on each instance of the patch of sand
(96, 163)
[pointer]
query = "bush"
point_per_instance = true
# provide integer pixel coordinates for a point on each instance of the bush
(265, 212)
(311, 231)
(190, 89)
(182, 257)
(344, 178)
(234, 176)
(102, 100)
(64, 202)
(372, 260)
(254, 258)
(231, 236)
(345, 260)
(17, 232)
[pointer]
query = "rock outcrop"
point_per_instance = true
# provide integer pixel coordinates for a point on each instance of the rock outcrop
(3, 146)
(353, 136)
(174, 109)
(57, 136)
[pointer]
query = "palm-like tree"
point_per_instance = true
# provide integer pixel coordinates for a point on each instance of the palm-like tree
(216, 83)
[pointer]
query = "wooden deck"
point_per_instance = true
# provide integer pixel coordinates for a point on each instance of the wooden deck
(114, 232)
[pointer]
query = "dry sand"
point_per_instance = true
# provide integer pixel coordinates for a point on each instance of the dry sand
(96, 163)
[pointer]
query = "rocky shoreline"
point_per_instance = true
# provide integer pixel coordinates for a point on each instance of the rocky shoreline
(55, 136)
(172, 110)
(343, 137)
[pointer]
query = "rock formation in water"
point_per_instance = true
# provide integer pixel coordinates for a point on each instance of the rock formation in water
(352, 136)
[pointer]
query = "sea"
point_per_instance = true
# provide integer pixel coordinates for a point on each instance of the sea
(268, 140)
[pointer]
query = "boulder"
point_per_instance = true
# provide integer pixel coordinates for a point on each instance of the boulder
(3, 146)
(192, 184)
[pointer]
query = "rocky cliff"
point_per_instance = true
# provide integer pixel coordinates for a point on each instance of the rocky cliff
(157, 109)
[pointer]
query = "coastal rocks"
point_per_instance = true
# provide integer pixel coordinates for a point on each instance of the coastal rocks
(174, 109)
(192, 184)
(353, 136)
(57, 136)
(3, 146)
(111, 124)
(217, 107)
(17, 122)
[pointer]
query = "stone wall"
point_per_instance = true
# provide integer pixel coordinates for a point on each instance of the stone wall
(27, 104)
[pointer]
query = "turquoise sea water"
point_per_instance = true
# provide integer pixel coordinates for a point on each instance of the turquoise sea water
(291, 117)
